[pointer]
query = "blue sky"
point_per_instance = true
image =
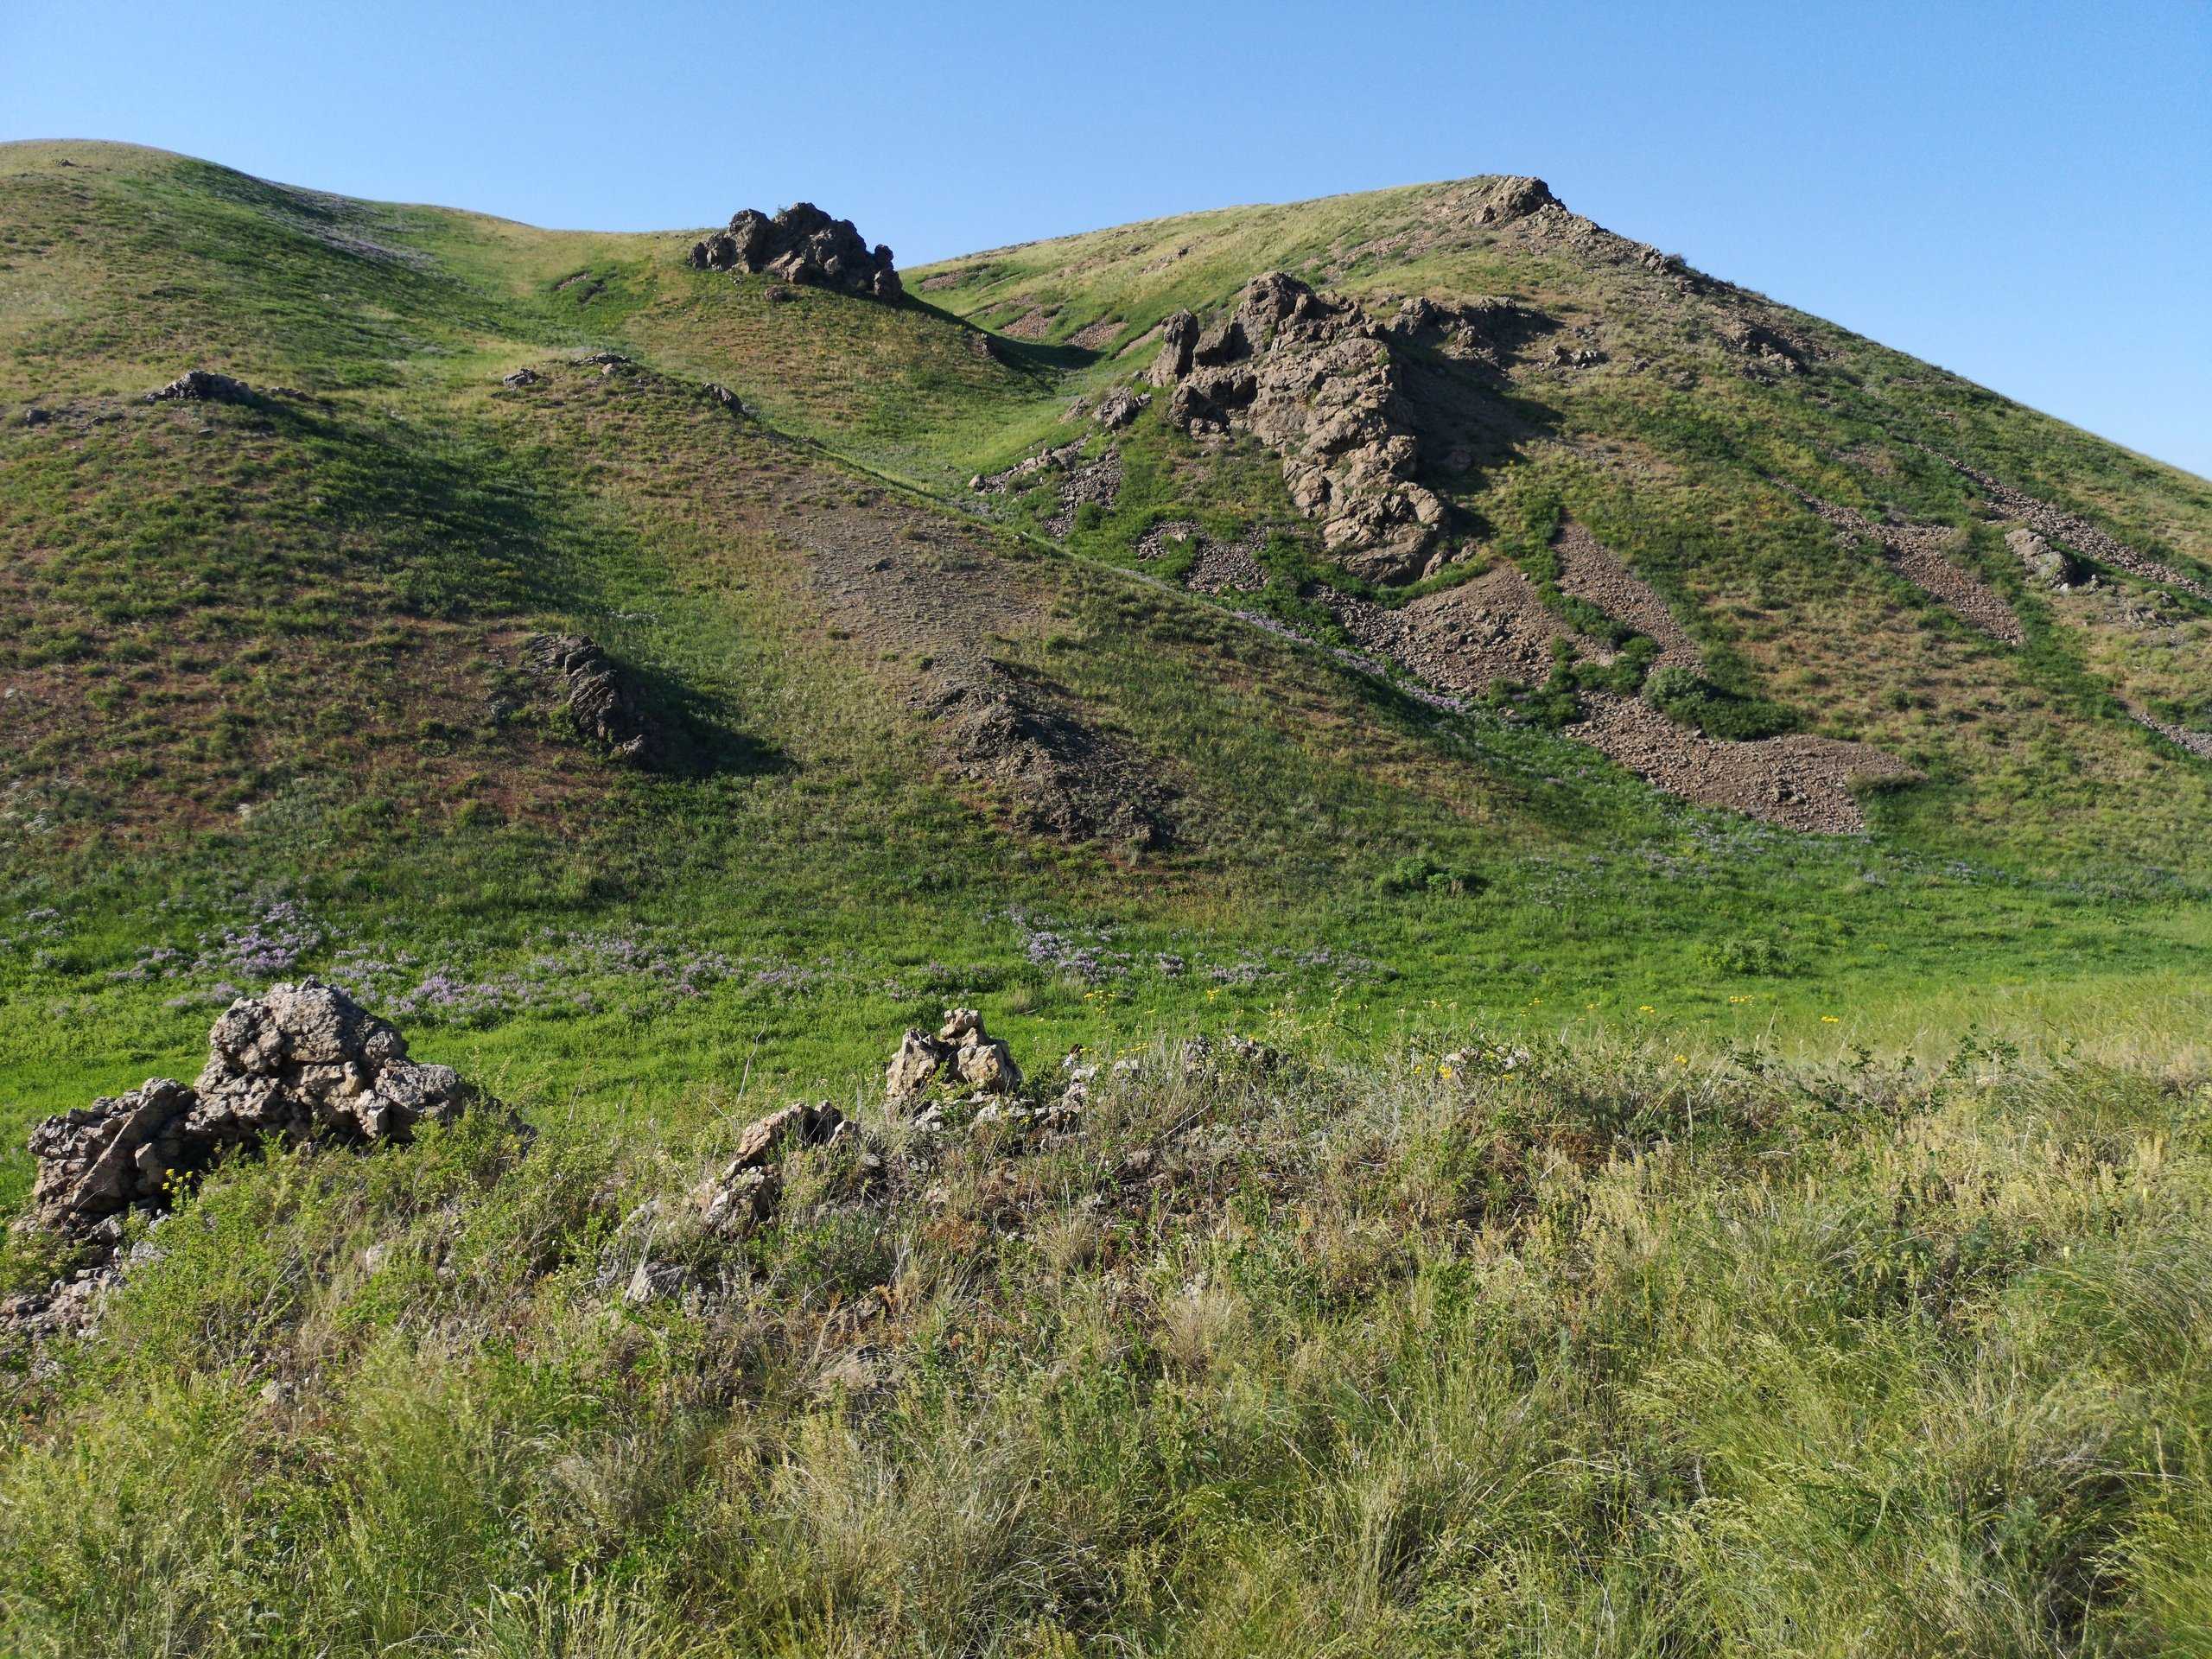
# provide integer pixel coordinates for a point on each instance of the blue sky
(2020, 193)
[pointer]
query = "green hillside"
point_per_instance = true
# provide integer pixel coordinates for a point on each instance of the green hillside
(1720, 741)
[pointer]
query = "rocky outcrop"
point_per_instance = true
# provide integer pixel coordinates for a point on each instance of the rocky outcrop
(2075, 532)
(595, 690)
(202, 386)
(1769, 350)
(1314, 379)
(802, 244)
(1118, 407)
(304, 1062)
(962, 1058)
(1059, 776)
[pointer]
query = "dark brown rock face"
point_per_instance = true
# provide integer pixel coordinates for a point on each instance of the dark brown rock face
(1314, 379)
(593, 689)
(802, 244)
(202, 386)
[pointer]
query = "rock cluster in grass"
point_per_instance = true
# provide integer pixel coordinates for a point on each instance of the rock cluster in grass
(302, 1062)
(1118, 407)
(802, 244)
(1313, 377)
(596, 692)
(202, 386)
(961, 1058)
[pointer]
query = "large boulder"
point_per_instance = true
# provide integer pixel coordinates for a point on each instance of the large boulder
(802, 244)
(304, 1062)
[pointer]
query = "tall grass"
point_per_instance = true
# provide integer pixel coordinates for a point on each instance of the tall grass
(1587, 1351)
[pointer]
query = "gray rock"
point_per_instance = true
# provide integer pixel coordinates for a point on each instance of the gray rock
(2046, 563)
(1314, 379)
(1118, 407)
(304, 1062)
(961, 1058)
(1179, 342)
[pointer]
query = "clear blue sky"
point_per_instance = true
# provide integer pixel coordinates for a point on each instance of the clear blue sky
(2021, 193)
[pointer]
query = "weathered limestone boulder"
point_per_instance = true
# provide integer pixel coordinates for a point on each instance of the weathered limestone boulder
(2046, 563)
(101, 1159)
(963, 1058)
(1314, 379)
(803, 245)
(1118, 407)
(597, 694)
(304, 1062)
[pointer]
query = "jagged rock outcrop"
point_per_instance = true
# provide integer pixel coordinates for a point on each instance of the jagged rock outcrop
(802, 243)
(304, 1062)
(596, 692)
(1118, 407)
(202, 386)
(1769, 350)
(1314, 378)
(963, 1058)
(745, 1192)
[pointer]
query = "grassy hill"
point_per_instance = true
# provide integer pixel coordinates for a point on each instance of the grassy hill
(1111, 750)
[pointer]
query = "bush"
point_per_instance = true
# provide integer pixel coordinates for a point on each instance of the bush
(1691, 701)
(1420, 873)
(1749, 957)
